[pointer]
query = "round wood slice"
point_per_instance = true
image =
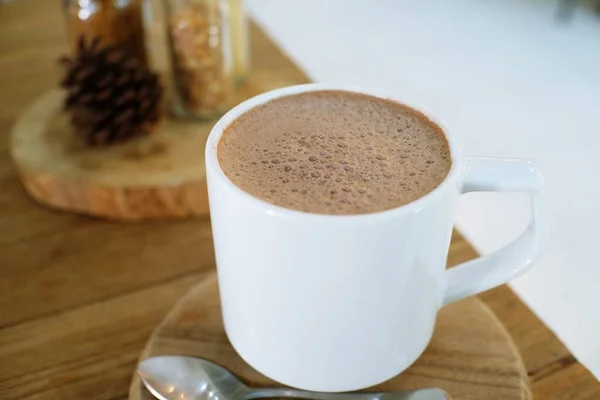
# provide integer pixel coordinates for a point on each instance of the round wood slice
(161, 175)
(156, 176)
(471, 356)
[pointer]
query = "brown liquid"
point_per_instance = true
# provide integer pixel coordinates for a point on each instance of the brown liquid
(334, 152)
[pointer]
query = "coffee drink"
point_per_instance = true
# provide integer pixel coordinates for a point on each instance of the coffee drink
(334, 152)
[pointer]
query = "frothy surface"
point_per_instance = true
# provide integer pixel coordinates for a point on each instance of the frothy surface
(334, 152)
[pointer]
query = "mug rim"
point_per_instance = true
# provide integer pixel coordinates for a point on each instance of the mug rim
(214, 168)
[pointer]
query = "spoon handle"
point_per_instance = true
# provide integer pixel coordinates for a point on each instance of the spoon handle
(421, 394)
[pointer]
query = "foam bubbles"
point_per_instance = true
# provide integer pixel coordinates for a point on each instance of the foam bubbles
(334, 153)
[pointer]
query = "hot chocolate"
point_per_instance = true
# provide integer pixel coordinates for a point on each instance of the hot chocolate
(334, 152)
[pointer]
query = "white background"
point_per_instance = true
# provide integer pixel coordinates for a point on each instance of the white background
(510, 81)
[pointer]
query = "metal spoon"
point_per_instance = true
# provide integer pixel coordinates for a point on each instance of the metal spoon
(188, 378)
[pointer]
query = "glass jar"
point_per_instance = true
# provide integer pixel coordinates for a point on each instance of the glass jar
(115, 22)
(202, 56)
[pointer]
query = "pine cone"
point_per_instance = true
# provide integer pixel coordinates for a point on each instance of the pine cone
(111, 95)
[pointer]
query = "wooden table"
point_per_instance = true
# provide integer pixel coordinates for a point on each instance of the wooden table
(79, 297)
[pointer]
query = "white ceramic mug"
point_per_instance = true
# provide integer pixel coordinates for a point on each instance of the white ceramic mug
(338, 303)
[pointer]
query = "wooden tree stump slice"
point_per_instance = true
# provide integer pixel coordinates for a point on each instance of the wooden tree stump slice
(161, 175)
(471, 356)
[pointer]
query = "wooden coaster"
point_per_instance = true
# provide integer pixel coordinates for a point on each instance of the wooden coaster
(471, 356)
(161, 175)
(157, 176)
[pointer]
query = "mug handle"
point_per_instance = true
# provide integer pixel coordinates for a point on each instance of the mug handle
(494, 269)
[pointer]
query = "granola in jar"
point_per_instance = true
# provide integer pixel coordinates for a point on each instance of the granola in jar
(202, 57)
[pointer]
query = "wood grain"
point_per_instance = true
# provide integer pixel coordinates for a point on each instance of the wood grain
(470, 356)
(80, 297)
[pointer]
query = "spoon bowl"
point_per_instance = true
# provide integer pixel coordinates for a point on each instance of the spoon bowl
(189, 378)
